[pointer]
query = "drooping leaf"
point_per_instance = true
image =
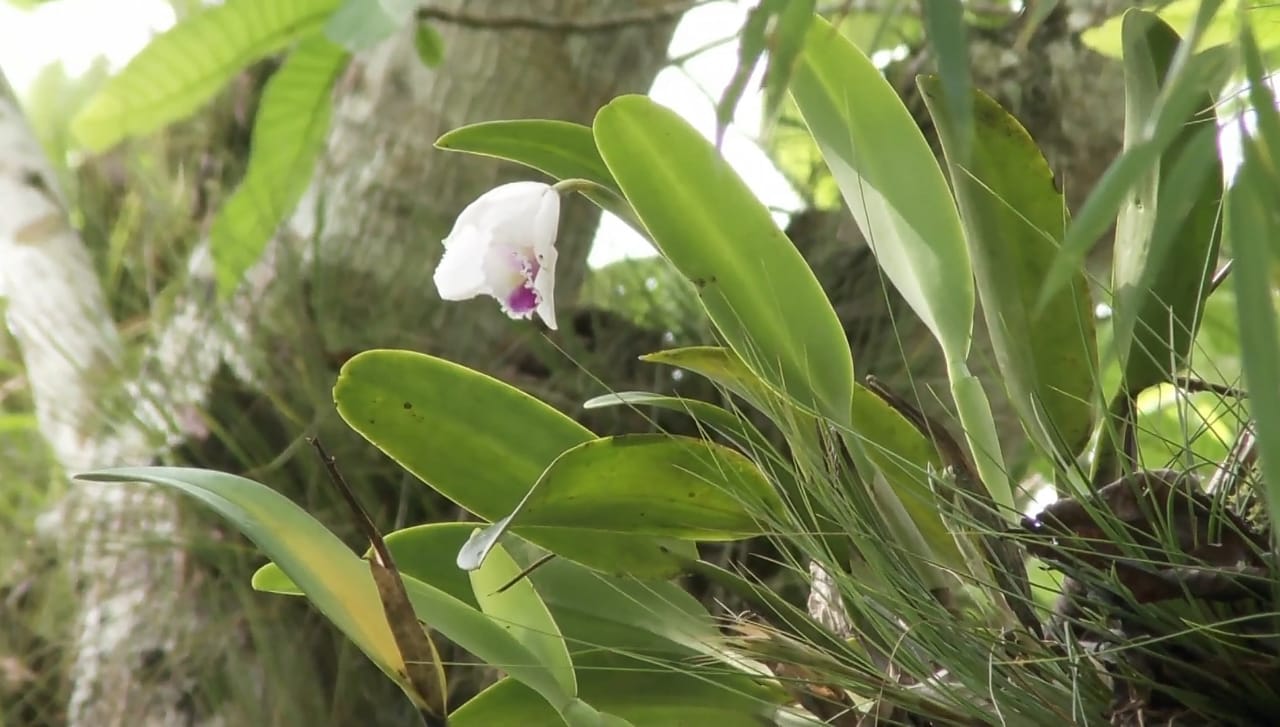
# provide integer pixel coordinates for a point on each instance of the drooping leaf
(1168, 229)
(289, 134)
(890, 180)
(756, 287)
(514, 605)
(336, 580)
(482, 444)
(167, 81)
(361, 24)
(1015, 218)
(648, 484)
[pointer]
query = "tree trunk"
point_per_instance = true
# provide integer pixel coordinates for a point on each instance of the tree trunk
(351, 270)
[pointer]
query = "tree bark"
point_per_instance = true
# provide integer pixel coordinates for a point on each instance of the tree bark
(351, 270)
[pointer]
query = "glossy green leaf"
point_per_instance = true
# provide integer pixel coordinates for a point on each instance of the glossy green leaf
(559, 149)
(289, 133)
(513, 604)
(756, 287)
(361, 24)
(337, 581)
(890, 180)
(1107, 38)
(648, 484)
(167, 82)
(1015, 218)
(1168, 229)
(482, 444)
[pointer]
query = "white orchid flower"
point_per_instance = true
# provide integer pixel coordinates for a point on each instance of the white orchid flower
(504, 245)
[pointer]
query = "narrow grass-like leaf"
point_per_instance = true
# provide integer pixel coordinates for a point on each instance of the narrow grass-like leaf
(1181, 96)
(891, 182)
(168, 80)
(482, 444)
(1015, 217)
(289, 134)
(945, 26)
(757, 289)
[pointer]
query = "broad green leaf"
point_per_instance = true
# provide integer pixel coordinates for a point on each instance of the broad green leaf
(1014, 218)
(337, 581)
(168, 80)
(891, 182)
(289, 134)
(639, 693)
(904, 457)
(1147, 136)
(513, 604)
(1168, 229)
(649, 484)
(1107, 38)
(756, 287)
(361, 24)
(482, 444)
(560, 149)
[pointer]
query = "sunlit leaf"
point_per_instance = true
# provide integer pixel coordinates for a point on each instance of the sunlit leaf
(167, 82)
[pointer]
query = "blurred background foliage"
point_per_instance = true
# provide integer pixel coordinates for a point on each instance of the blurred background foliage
(142, 206)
